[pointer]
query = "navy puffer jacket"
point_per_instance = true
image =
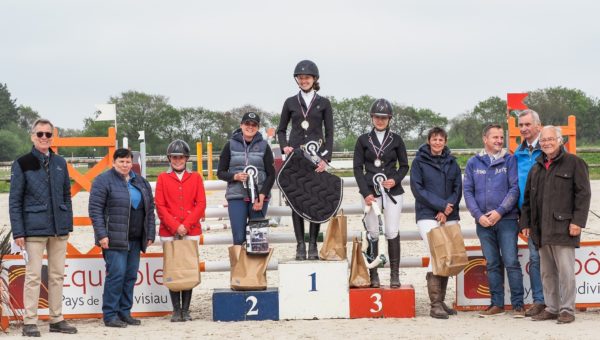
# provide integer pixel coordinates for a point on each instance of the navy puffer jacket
(40, 201)
(110, 205)
(435, 181)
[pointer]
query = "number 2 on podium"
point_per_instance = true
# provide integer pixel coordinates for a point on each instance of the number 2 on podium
(253, 300)
(313, 282)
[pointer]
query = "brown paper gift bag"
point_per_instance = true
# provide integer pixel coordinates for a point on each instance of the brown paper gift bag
(180, 265)
(359, 273)
(248, 272)
(334, 246)
(448, 253)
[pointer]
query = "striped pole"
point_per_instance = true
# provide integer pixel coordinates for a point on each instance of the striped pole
(200, 168)
(209, 159)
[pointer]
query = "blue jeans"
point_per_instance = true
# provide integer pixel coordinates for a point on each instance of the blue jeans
(535, 277)
(499, 247)
(121, 273)
(239, 211)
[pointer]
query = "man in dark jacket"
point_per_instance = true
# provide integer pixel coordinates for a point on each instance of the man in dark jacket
(555, 208)
(122, 211)
(41, 218)
(491, 192)
(530, 127)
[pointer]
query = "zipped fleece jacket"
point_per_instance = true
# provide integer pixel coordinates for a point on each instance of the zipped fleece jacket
(491, 185)
(525, 161)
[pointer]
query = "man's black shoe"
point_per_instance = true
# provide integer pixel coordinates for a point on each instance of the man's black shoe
(115, 323)
(130, 320)
(31, 330)
(62, 327)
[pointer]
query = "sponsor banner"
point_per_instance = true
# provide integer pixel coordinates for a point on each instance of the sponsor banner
(472, 290)
(84, 283)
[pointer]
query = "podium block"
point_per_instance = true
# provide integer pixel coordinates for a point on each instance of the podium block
(366, 303)
(399, 303)
(229, 305)
(313, 290)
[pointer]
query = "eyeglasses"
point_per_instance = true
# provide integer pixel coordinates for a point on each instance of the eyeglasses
(548, 140)
(41, 134)
(252, 124)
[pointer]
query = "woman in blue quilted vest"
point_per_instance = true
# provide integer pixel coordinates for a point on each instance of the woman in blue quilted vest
(244, 156)
(311, 119)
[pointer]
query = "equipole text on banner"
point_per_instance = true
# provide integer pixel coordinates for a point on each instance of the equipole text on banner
(84, 283)
(472, 290)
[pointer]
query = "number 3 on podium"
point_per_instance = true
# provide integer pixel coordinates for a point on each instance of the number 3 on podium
(377, 302)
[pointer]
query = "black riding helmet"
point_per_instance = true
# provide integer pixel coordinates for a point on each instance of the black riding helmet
(178, 148)
(306, 67)
(381, 108)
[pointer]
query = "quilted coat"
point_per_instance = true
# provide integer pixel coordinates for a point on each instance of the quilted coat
(435, 181)
(109, 208)
(40, 201)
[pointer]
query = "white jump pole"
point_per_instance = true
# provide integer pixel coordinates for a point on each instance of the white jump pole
(224, 266)
(411, 235)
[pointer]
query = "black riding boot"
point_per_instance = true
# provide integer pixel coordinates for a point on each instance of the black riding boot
(394, 254)
(313, 252)
(176, 301)
(373, 251)
(298, 223)
(186, 299)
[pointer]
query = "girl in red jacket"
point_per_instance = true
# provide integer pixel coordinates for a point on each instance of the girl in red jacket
(180, 203)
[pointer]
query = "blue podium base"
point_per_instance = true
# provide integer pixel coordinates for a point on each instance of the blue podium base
(230, 305)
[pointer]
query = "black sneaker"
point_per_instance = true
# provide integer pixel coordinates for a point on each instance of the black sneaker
(130, 320)
(62, 327)
(116, 323)
(31, 330)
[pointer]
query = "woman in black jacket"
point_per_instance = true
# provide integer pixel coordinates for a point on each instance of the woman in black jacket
(121, 207)
(436, 183)
(380, 164)
(309, 114)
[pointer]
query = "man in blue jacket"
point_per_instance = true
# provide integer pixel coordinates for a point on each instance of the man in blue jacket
(41, 218)
(530, 127)
(491, 193)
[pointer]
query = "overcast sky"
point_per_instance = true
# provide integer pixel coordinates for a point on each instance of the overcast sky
(63, 57)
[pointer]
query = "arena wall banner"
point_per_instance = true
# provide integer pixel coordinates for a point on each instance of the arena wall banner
(84, 283)
(472, 290)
